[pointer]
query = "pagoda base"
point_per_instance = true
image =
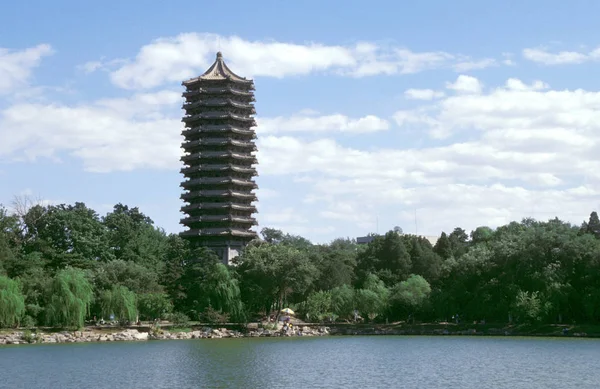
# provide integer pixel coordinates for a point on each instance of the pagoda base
(226, 251)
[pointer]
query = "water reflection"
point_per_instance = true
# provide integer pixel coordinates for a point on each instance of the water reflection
(348, 362)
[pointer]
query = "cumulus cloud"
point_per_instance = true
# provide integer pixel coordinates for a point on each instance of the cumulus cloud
(530, 151)
(465, 84)
(543, 56)
(142, 131)
(307, 122)
(422, 94)
(465, 66)
(16, 65)
(176, 58)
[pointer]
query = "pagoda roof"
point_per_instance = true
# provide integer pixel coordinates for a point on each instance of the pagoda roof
(219, 232)
(218, 193)
(216, 102)
(217, 181)
(225, 128)
(227, 205)
(217, 218)
(218, 142)
(218, 71)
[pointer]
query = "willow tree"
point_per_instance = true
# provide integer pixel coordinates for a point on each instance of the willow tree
(119, 301)
(12, 302)
(71, 295)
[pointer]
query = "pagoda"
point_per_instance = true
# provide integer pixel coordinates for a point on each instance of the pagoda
(219, 161)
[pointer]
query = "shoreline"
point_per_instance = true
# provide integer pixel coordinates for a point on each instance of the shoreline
(116, 334)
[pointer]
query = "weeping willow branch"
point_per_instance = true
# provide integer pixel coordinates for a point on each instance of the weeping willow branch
(12, 302)
(71, 296)
(119, 301)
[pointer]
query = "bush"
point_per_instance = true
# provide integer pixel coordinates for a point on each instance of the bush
(28, 322)
(212, 316)
(179, 319)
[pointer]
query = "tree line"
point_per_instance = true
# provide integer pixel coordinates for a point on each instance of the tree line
(63, 265)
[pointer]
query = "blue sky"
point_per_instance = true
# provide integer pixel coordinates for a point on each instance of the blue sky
(371, 114)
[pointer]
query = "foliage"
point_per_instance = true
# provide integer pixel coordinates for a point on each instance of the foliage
(12, 302)
(119, 301)
(410, 295)
(213, 316)
(154, 305)
(318, 306)
(373, 298)
(179, 319)
(70, 297)
(62, 256)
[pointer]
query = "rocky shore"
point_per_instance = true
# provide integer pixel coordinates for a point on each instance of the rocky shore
(27, 337)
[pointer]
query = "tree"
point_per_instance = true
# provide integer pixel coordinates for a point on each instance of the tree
(154, 305)
(481, 234)
(133, 237)
(458, 241)
(119, 301)
(343, 301)
(318, 305)
(71, 235)
(529, 306)
(592, 226)
(12, 302)
(274, 274)
(443, 247)
(70, 297)
(410, 295)
(221, 291)
(274, 236)
(372, 299)
(387, 257)
(131, 275)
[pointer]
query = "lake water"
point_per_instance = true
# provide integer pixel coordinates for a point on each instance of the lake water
(328, 362)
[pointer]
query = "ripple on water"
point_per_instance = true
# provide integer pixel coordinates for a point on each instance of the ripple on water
(331, 362)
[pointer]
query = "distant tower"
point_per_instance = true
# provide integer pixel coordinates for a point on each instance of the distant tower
(219, 161)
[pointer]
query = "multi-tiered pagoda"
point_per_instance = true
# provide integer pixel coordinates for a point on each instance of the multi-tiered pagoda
(219, 161)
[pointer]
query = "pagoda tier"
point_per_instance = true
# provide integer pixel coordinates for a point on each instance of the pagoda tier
(219, 161)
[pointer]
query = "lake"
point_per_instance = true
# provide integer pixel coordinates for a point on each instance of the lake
(325, 362)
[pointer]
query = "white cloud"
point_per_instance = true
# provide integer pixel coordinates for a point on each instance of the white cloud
(16, 65)
(422, 94)
(516, 84)
(142, 131)
(173, 59)
(541, 55)
(531, 151)
(326, 123)
(475, 65)
(108, 135)
(465, 84)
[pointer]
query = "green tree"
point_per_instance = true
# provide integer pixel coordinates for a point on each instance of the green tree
(12, 302)
(443, 247)
(274, 274)
(71, 235)
(387, 257)
(481, 234)
(529, 306)
(593, 225)
(373, 298)
(70, 297)
(343, 301)
(154, 305)
(119, 301)
(133, 237)
(131, 275)
(410, 295)
(318, 306)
